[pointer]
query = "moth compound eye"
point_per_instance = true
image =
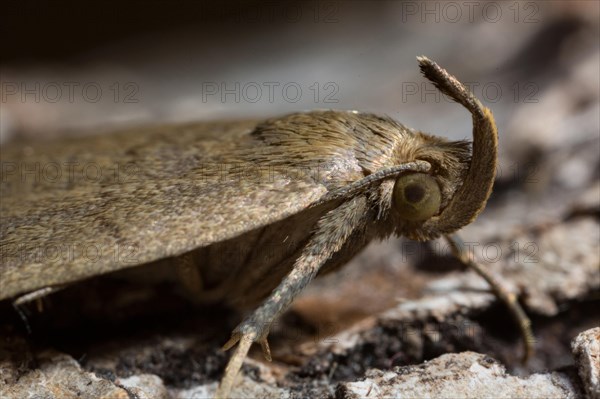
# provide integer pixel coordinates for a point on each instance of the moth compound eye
(417, 196)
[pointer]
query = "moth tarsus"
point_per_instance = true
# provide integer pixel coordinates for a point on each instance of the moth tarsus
(234, 365)
(23, 316)
(509, 298)
(36, 295)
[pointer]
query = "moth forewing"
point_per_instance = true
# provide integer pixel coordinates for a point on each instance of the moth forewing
(180, 194)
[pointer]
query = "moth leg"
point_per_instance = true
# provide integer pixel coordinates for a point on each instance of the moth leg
(36, 296)
(332, 231)
(509, 298)
(189, 276)
(190, 279)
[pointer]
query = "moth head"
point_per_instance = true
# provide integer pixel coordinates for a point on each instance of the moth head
(459, 183)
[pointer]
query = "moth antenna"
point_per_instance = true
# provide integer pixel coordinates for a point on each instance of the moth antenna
(471, 197)
(509, 298)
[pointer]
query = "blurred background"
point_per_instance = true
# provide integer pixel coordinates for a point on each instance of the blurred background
(82, 68)
(73, 65)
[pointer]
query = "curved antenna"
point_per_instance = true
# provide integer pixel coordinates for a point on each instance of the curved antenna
(470, 198)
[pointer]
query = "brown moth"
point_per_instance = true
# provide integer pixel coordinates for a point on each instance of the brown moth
(246, 213)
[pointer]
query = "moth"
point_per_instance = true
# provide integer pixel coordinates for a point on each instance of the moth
(245, 213)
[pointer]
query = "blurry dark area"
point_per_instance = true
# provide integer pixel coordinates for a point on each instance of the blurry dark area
(62, 31)
(58, 31)
(77, 68)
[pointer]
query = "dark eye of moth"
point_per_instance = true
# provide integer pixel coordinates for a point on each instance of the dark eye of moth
(417, 196)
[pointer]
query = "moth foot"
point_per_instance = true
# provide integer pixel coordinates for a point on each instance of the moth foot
(245, 334)
(250, 331)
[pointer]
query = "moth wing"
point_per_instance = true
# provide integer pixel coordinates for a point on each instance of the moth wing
(79, 208)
